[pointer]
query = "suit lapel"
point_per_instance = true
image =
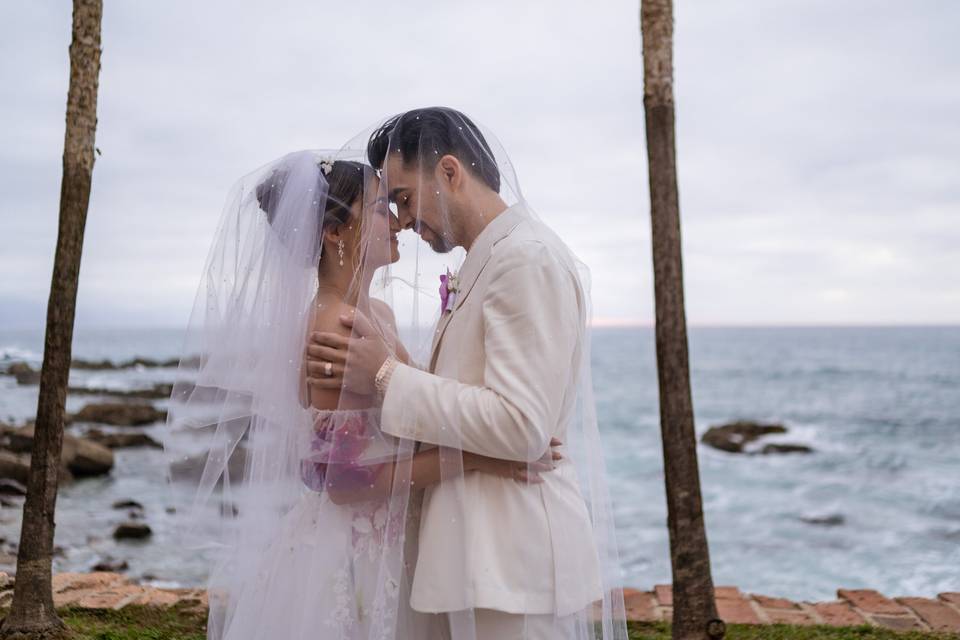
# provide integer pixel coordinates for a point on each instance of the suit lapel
(441, 327)
(473, 265)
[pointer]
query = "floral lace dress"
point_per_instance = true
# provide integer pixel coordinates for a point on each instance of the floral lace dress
(347, 452)
(338, 571)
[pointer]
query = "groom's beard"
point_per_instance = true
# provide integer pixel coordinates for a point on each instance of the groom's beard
(442, 245)
(438, 242)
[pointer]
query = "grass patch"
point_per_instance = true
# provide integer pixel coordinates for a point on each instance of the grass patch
(661, 631)
(135, 623)
(176, 623)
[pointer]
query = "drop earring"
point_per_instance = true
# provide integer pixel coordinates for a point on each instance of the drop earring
(340, 251)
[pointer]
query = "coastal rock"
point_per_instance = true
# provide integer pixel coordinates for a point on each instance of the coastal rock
(8, 560)
(832, 520)
(92, 365)
(15, 467)
(735, 436)
(785, 448)
(149, 363)
(15, 439)
(191, 468)
(24, 373)
(121, 440)
(86, 458)
(15, 461)
(132, 531)
(107, 365)
(10, 487)
(120, 414)
(81, 456)
(127, 504)
(157, 392)
(111, 564)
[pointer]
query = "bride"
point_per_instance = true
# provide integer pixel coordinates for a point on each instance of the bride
(307, 511)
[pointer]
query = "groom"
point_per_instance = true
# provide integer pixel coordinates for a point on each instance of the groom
(509, 560)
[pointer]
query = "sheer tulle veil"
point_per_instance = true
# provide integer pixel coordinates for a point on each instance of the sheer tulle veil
(508, 347)
(311, 520)
(241, 436)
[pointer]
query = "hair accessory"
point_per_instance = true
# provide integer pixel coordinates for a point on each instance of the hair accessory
(326, 166)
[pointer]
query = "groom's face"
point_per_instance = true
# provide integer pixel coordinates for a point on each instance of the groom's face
(414, 190)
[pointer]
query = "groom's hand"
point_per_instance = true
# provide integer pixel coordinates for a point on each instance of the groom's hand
(355, 360)
(522, 472)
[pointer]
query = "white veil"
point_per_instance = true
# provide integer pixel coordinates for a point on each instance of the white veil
(317, 523)
(496, 372)
(241, 439)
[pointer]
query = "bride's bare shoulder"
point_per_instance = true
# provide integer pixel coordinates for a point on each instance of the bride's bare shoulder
(383, 311)
(326, 315)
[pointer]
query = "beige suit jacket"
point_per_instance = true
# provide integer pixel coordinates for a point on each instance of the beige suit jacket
(502, 382)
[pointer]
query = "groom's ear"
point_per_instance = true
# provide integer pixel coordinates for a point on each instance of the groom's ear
(450, 172)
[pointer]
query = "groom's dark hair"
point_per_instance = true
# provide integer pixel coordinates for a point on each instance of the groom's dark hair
(426, 135)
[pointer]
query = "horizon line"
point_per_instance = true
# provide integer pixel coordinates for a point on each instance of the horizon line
(596, 323)
(607, 323)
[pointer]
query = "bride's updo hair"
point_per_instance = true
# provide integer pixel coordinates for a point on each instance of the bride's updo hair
(345, 183)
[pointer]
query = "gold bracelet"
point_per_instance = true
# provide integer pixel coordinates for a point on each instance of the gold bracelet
(382, 380)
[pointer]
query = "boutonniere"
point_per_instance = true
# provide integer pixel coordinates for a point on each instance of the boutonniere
(449, 288)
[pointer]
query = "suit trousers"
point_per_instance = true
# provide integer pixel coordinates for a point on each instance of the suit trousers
(489, 624)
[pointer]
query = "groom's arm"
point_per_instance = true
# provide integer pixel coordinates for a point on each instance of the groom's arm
(533, 327)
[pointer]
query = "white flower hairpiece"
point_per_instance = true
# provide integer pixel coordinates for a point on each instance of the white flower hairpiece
(326, 166)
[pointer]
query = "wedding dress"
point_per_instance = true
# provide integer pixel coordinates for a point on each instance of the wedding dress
(348, 591)
(263, 467)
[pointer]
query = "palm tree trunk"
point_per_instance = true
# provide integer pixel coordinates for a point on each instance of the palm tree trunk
(694, 607)
(32, 609)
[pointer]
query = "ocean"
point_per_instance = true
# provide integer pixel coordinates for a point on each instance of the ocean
(876, 505)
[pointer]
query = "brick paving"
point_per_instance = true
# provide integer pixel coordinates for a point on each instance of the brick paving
(105, 590)
(851, 608)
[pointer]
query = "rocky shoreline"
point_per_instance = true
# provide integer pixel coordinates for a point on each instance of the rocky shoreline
(743, 436)
(92, 435)
(115, 419)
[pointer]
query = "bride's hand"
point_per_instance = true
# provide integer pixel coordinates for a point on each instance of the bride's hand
(523, 472)
(328, 352)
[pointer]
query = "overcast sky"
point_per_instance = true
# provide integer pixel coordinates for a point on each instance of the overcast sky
(818, 142)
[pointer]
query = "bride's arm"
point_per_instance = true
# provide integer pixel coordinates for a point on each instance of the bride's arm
(428, 468)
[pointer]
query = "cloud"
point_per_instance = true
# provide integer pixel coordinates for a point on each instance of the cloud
(816, 141)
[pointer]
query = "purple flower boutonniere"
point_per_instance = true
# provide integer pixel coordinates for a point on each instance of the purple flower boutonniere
(449, 288)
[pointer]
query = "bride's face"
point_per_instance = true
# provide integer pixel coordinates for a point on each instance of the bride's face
(379, 228)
